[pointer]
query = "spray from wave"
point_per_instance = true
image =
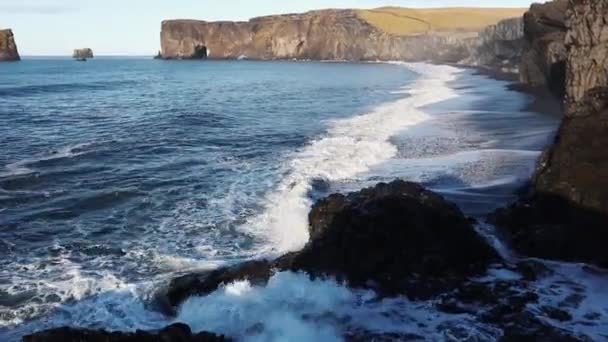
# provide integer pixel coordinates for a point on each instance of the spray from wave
(350, 147)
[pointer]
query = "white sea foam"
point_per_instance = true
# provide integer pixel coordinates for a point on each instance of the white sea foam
(22, 167)
(350, 147)
(294, 308)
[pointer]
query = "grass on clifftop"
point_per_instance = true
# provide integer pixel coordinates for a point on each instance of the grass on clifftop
(405, 21)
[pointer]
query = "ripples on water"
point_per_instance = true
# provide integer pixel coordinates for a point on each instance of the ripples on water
(120, 173)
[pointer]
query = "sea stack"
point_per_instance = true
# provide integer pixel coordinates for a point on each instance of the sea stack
(83, 54)
(8, 47)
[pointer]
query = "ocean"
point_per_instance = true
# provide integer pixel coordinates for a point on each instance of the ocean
(119, 174)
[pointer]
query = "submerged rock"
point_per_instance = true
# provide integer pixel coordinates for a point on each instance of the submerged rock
(257, 272)
(173, 333)
(396, 238)
(500, 46)
(8, 47)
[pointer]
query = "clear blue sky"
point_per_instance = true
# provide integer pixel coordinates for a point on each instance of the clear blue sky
(131, 27)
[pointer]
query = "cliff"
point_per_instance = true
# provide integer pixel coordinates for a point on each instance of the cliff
(577, 166)
(567, 215)
(316, 35)
(83, 53)
(8, 47)
(500, 47)
(544, 61)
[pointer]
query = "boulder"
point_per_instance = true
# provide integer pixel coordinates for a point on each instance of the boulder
(172, 333)
(8, 47)
(397, 238)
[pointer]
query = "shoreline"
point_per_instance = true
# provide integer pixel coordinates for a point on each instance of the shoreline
(543, 101)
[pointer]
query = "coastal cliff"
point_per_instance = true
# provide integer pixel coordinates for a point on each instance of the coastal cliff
(567, 216)
(8, 47)
(500, 47)
(543, 63)
(316, 35)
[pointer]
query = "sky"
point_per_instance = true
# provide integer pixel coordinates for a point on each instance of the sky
(132, 27)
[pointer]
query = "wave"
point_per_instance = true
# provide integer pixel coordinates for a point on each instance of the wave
(350, 147)
(26, 166)
(29, 90)
(292, 307)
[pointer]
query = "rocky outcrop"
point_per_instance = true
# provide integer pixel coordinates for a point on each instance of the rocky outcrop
(8, 47)
(395, 238)
(567, 217)
(544, 61)
(316, 35)
(85, 53)
(173, 333)
(500, 47)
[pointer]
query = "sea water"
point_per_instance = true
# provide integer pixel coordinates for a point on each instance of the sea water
(118, 174)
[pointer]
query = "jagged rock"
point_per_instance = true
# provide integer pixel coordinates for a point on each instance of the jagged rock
(173, 333)
(85, 53)
(257, 272)
(316, 35)
(395, 238)
(398, 237)
(500, 46)
(8, 47)
(567, 216)
(543, 63)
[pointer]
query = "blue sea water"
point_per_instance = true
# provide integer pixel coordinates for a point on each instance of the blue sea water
(118, 174)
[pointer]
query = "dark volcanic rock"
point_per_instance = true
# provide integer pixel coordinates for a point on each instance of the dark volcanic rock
(400, 236)
(567, 216)
(544, 62)
(257, 272)
(553, 228)
(8, 47)
(576, 167)
(396, 238)
(173, 333)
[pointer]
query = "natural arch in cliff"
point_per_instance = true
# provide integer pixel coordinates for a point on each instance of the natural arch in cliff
(200, 52)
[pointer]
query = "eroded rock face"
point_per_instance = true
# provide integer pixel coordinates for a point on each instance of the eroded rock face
(543, 63)
(576, 168)
(173, 333)
(500, 46)
(316, 35)
(8, 47)
(567, 218)
(395, 238)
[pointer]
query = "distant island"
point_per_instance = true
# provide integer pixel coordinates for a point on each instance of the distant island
(83, 54)
(8, 47)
